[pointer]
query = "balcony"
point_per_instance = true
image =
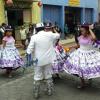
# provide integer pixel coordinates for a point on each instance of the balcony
(20, 4)
(23, 1)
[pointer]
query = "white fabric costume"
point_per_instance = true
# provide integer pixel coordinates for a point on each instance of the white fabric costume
(42, 45)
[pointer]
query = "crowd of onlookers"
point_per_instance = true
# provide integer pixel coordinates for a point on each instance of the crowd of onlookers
(26, 33)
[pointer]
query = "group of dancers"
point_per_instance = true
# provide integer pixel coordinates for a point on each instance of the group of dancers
(83, 62)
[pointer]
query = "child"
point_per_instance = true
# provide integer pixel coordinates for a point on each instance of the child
(85, 61)
(10, 59)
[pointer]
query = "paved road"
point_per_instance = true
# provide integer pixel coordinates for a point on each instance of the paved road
(65, 89)
(20, 87)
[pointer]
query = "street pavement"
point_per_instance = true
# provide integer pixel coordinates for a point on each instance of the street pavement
(20, 87)
(65, 89)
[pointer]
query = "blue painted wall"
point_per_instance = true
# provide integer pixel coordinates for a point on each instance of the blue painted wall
(83, 4)
(55, 2)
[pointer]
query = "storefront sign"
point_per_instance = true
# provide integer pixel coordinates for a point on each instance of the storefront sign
(74, 2)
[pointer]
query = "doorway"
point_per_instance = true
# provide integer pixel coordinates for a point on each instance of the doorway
(15, 18)
(72, 18)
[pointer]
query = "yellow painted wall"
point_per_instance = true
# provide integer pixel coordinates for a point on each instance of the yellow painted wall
(27, 16)
(2, 12)
(74, 2)
(36, 12)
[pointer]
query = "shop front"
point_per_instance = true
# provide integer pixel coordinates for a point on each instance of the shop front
(20, 12)
(70, 11)
(52, 13)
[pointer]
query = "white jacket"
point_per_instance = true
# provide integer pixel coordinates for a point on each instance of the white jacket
(42, 44)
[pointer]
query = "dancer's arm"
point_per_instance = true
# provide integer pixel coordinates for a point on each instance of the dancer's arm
(4, 43)
(93, 37)
(31, 45)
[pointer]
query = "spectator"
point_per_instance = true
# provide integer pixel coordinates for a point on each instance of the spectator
(66, 30)
(2, 31)
(23, 34)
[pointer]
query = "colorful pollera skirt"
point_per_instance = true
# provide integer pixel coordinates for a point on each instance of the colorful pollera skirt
(84, 63)
(10, 58)
(97, 45)
(59, 61)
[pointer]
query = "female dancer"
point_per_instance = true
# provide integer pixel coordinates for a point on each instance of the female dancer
(10, 57)
(85, 61)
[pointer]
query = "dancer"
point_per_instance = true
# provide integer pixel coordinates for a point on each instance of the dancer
(60, 59)
(85, 61)
(10, 59)
(43, 46)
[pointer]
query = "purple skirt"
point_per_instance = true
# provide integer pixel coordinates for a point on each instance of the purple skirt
(85, 64)
(97, 44)
(59, 62)
(10, 58)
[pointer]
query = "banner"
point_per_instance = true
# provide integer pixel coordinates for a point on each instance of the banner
(74, 3)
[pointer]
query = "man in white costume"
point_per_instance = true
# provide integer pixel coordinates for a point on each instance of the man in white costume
(42, 45)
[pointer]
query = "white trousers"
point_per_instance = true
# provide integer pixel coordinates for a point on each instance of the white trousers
(43, 72)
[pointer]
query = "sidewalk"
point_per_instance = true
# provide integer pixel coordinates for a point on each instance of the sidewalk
(62, 42)
(67, 41)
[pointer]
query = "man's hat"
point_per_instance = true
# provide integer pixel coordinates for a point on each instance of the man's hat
(39, 25)
(8, 28)
(85, 25)
(48, 25)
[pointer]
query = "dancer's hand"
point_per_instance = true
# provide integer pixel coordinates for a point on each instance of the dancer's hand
(93, 37)
(91, 27)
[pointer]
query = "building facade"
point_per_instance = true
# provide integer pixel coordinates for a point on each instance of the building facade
(70, 11)
(22, 11)
(60, 11)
